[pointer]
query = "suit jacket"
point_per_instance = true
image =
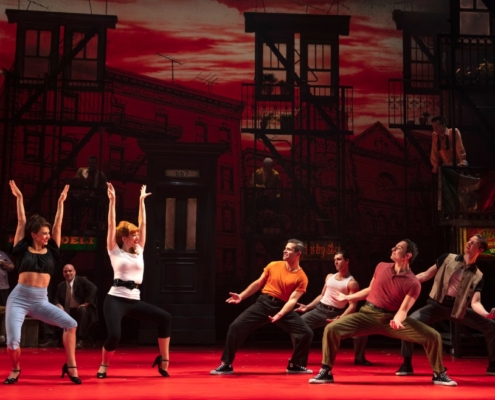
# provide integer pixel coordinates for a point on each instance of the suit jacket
(84, 291)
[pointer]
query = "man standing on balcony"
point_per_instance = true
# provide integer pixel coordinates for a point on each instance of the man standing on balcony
(441, 146)
(458, 283)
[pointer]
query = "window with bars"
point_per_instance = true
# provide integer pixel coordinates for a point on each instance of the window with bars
(272, 67)
(422, 67)
(319, 63)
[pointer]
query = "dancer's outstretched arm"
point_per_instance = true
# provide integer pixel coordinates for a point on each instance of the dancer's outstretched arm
(142, 216)
(21, 214)
(59, 216)
(111, 242)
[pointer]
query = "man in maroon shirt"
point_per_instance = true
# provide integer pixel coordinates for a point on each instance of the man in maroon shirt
(392, 292)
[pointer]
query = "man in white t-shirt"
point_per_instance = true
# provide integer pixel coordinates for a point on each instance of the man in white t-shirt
(324, 307)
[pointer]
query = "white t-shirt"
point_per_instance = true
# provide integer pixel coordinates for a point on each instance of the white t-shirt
(127, 267)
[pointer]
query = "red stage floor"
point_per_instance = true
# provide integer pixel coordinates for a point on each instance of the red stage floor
(259, 374)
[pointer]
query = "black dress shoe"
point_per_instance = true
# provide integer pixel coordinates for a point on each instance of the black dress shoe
(102, 375)
(74, 379)
(364, 362)
(11, 381)
(158, 361)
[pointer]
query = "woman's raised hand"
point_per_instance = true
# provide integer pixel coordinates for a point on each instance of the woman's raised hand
(110, 191)
(63, 195)
(15, 190)
(143, 193)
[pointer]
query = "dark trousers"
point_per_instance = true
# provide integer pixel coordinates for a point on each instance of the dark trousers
(256, 316)
(434, 312)
(317, 318)
(115, 308)
(4, 294)
(81, 315)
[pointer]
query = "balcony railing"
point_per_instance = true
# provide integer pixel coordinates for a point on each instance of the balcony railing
(280, 211)
(75, 102)
(292, 109)
(467, 62)
(409, 106)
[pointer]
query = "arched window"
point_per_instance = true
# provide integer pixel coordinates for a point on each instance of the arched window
(386, 186)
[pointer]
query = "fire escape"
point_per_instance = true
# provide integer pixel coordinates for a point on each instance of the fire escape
(56, 98)
(296, 101)
(448, 70)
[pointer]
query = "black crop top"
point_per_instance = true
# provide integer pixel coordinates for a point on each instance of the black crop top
(31, 262)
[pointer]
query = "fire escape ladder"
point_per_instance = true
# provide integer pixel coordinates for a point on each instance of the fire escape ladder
(61, 166)
(297, 183)
(133, 167)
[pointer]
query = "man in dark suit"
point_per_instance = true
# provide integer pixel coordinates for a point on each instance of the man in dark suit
(77, 296)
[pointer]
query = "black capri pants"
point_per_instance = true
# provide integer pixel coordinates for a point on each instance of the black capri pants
(115, 308)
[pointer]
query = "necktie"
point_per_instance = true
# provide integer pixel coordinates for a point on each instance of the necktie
(68, 296)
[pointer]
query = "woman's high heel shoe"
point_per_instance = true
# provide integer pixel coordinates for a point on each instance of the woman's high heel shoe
(158, 361)
(102, 375)
(74, 379)
(11, 381)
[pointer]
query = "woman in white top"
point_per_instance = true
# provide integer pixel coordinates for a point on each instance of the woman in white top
(125, 244)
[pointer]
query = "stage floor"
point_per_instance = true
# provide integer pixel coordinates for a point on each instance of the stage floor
(259, 374)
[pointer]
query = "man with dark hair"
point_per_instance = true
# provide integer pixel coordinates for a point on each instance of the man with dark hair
(441, 145)
(458, 284)
(392, 292)
(324, 307)
(282, 283)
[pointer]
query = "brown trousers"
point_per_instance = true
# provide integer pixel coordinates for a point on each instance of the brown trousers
(369, 321)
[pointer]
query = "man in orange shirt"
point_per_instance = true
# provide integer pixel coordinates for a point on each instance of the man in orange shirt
(282, 283)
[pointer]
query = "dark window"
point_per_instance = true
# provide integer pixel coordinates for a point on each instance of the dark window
(226, 179)
(116, 158)
(228, 219)
(37, 53)
(85, 64)
(201, 133)
(66, 146)
(225, 137)
(32, 145)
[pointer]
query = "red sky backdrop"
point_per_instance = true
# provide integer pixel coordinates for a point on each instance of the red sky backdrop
(208, 37)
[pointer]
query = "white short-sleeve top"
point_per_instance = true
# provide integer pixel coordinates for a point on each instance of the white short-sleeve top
(127, 267)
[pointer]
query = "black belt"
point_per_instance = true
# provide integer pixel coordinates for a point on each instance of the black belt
(330, 308)
(448, 301)
(275, 299)
(128, 284)
(378, 308)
